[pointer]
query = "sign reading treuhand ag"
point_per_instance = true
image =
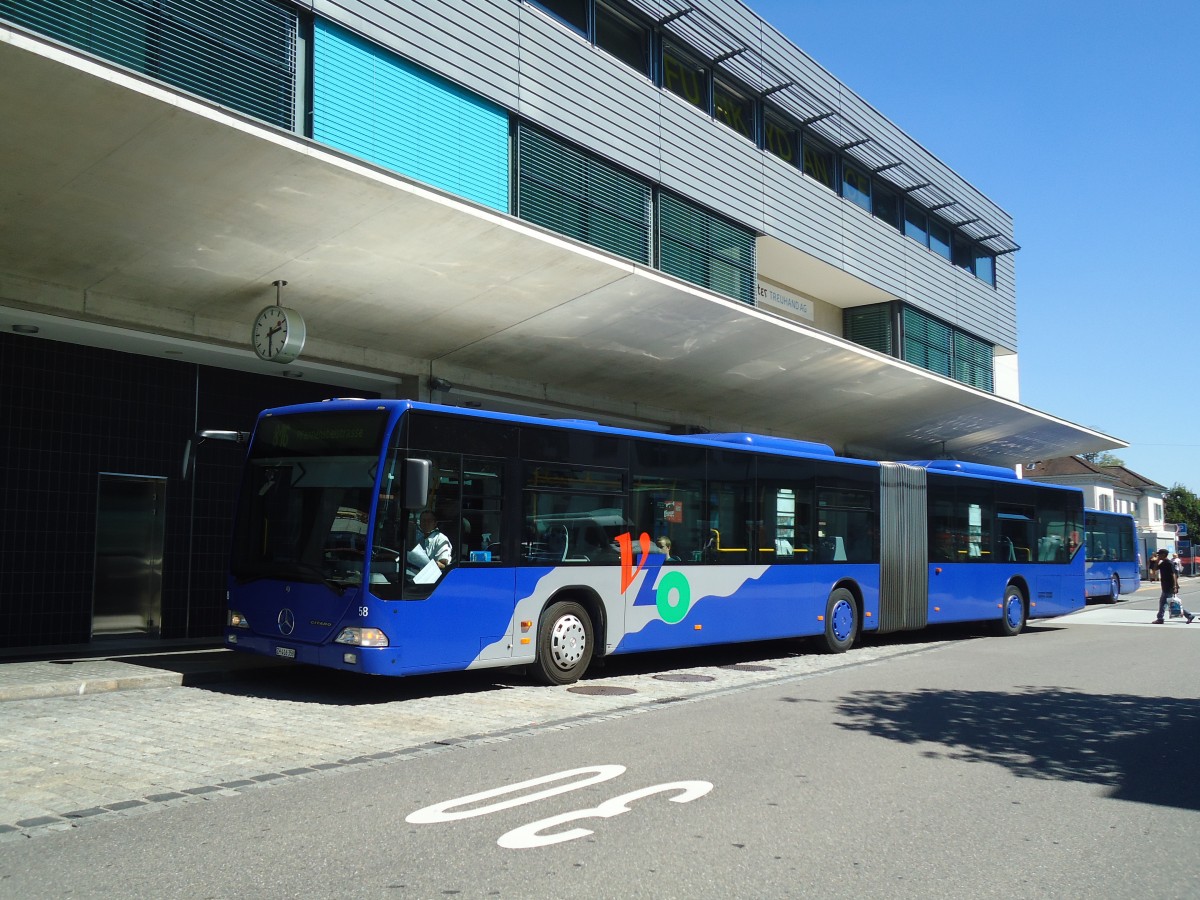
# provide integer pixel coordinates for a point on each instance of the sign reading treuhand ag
(777, 299)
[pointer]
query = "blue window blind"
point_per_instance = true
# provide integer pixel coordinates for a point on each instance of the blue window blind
(582, 197)
(238, 53)
(706, 250)
(382, 108)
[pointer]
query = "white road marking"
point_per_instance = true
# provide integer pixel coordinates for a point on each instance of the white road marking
(1123, 615)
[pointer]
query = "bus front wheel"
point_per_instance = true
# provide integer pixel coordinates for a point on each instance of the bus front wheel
(1012, 618)
(841, 622)
(1114, 593)
(564, 643)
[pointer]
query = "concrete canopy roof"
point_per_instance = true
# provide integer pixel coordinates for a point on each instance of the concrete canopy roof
(135, 217)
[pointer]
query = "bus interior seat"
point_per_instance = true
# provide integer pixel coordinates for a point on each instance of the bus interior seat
(557, 542)
(833, 549)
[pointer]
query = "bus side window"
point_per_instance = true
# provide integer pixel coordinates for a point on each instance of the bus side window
(482, 493)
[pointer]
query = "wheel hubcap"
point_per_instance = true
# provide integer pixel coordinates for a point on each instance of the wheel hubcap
(843, 620)
(568, 641)
(1014, 611)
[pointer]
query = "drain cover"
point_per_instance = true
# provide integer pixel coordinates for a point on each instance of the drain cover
(749, 667)
(689, 678)
(600, 690)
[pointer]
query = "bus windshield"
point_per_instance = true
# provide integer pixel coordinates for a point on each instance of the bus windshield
(307, 496)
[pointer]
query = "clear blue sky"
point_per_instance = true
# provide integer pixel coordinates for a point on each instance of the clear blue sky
(1082, 120)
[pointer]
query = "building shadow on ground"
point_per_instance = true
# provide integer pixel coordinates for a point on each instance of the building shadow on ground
(1141, 748)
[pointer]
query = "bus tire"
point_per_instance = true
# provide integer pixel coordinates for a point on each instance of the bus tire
(1012, 612)
(1115, 588)
(841, 622)
(564, 646)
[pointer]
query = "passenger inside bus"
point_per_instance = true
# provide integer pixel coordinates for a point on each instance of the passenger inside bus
(663, 545)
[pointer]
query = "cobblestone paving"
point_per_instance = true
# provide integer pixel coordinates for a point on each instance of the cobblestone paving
(69, 759)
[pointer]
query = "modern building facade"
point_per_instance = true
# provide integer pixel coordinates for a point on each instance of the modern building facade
(648, 212)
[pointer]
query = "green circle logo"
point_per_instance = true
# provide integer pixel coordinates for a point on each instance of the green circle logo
(674, 597)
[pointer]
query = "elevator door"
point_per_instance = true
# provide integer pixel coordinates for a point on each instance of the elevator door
(130, 524)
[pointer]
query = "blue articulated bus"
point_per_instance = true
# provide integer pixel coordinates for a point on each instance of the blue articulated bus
(558, 542)
(1113, 562)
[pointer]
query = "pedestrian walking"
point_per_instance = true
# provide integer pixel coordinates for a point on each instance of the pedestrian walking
(1152, 567)
(1169, 579)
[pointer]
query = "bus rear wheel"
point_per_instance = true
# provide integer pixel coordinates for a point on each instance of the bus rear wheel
(564, 646)
(1012, 618)
(841, 622)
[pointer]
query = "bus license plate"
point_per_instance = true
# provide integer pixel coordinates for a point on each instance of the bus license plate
(287, 652)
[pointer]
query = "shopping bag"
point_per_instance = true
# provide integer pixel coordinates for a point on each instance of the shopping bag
(1176, 607)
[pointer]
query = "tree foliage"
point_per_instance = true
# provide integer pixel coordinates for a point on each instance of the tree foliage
(1102, 459)
(1181, 505)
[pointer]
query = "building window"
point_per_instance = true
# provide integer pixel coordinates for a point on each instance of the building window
(972, 361)
(239, 54)
(949, 351)
(886, 206)
(819, 164)
(779, 138)
(871, 326)
(961, 253)
(939, 238)
(733, 108)
(579, 196)
(706, 250)
(985, 266)
(684, 77)
(856, 187)
(927, 342)
(571, 12)
(624, 38)
(915, 224)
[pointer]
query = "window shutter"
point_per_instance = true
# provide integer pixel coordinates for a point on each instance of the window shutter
(241, 54)
(870, 326)
(582, 197)
(706, 250)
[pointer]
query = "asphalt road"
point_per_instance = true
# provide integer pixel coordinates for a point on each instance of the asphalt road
(1057, 764)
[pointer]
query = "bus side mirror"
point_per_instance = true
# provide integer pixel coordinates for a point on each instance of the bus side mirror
(417, 474)
(189, 449)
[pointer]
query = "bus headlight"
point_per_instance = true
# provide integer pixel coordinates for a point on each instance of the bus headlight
(362, 637)
(237, 620)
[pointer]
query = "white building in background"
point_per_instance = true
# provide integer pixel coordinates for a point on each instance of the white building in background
(1115, 489)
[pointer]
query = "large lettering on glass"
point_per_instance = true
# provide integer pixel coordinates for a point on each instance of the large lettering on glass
(779, 141)
(685, 79)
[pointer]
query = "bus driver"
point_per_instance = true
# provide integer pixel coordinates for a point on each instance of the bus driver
(431, 546)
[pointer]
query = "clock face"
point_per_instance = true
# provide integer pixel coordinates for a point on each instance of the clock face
(278, 334)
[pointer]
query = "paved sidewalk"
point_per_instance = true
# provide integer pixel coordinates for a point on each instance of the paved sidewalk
(74, 676)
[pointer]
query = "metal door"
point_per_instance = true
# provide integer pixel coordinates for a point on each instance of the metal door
(130, 526)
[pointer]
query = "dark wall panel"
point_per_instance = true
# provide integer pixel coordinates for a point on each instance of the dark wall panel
(70, 413)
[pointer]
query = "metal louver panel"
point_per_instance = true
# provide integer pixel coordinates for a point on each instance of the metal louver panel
(706, 250)
(972, 361)
(871, 326)
(904, 549)
(582, 197)
(927, 342)
(238, 53)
